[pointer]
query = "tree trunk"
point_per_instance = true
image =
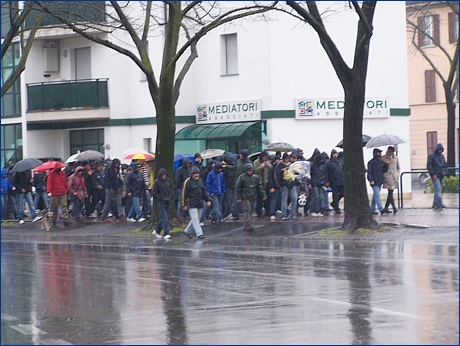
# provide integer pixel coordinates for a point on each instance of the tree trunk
(451, 126)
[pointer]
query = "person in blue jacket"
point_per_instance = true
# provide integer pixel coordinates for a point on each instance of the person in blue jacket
(6, 185)
(216, 187)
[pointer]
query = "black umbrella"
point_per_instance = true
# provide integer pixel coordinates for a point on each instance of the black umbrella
(366, 139)
(26, 164)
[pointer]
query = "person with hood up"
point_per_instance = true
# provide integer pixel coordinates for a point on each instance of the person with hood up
(216, 186)
(335, 175)
(239, 169)
(162, 193)
(6, 185)
(135, 188)
(375, 170)
(182, 174)
(437, 167)
(198, 162)
(113, 184)
(88, 170)
(274, 189)
(203, 175)
(318, 183)
(23, 183)
(230, 179)
(284, 186)
(57, 188)
(248, 188)
(193, 195)
(98, 182)
(262, 168)
(77, 188)
(391, 177)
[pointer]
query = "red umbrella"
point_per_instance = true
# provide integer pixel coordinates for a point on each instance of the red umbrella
(49, 165)
(139, 156)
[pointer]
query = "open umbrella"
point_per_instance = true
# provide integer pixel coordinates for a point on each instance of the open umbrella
(139, 156)
(365, 139)
(134, 150)
(49, 165)
(73, 158)
(383, 140)
(89, 155)
(210, 153)
(179, 158)
(26, 164)
(280, 146)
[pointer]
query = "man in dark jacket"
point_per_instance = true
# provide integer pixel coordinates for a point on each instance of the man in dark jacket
(198, 162)
(40, 189)
(87, 173)
(262, 168)
(375, 170)
(274, 189)
(230, 178)
(136, 188)
(283, 184)
(182, 174)
(437, 167)
(98, 183)
(239, 168)
(23, 183)
(318, 183)
(113, 191)
(162, 193)
(248, 188)
(193, 195)
(335, 174)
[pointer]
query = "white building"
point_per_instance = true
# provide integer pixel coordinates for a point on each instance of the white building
(263, 70)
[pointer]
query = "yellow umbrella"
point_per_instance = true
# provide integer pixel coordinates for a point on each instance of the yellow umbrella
(142, 156)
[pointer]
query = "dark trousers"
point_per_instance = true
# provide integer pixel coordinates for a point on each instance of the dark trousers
(337, 195)
(98, 200)
(88, 209)
(263, 203)
(390, 200)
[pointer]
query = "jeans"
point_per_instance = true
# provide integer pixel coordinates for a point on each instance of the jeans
(163, 209)
(135, 208)
(216, 212)
(284, 201)
(4, 204)
(37, 199)
(274, 196)
(146, 204)
(20, 196)
(194, 224)
(316, 199)
(205, 212)
(437, 184)
(294, 194)
(77, 207)
(376, 197)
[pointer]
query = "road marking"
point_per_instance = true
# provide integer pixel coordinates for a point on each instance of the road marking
(9, 318)
(27, 329)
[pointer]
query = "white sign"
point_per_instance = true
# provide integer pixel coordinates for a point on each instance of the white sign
(229, 112)
(332, 108)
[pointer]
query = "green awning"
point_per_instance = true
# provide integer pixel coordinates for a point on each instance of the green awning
(215, 131)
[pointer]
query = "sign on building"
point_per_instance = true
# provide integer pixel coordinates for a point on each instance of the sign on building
(228, 112)
(333, 108)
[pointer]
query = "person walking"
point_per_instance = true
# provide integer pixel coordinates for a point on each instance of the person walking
(136, 188)
(280, 168)
(98, 182)
(262, 168)
(375, 170)
(6, 186)
(335, 174)
(216, 186)
(274, 189)
(40, 189)
(56, 187)
(248, 188)
(163, 193)
(193, 195)
(23, 183)
(77, 188)
(182, 173)
(437, 167)
(113, 191)
(391, 177)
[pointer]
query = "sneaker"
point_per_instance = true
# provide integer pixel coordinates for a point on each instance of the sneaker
(278, 211)
(383, 212)
(338, 212)
(294, 218)
(131, 219)
(167, 236)
(273, 217)
(110, 215)
(142, 219)
(187, 235)
(21, 222)
(223, 220)
(200, 237)
(201, 223)
(157, 235)
(316, 214)
(106, 220)
(94, 214)
(37, 218)
(442, 207)
(284, 218)
(213, 222)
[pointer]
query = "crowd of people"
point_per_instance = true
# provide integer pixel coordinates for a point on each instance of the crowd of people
(228, 187)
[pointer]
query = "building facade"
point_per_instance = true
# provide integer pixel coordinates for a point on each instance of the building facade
(254, 83)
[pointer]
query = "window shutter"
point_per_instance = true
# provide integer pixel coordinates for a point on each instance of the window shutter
(451, 20)
(232, 54)
(421, 30)
(431, 141)
(430, 86)
(436, 29)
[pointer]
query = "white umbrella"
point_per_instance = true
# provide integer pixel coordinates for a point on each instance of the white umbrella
(383, 140)
(210, 153)
(73, 158)
(280, 146)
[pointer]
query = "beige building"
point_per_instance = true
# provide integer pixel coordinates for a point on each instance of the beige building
(428, 119)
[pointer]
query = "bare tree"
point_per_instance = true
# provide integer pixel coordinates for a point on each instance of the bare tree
(192, 20)
(419, 35)
(353, 80)
(15, 18)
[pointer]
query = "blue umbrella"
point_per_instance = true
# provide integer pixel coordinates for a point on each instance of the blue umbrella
(179, 158)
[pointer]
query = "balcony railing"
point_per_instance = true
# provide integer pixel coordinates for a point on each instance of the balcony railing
(74, 94)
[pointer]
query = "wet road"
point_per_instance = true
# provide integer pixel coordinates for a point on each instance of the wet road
(230, 290)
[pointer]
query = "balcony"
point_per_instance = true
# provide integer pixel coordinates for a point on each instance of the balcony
(68, 100)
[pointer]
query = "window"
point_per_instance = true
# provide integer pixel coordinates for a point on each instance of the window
(229, 54)
(11, 145)
(453, 27)
(431, 141)
(430, 86)
(86, 140)
(428, 30)
(11, 101)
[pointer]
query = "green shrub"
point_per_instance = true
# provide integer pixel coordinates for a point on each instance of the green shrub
(449, 185)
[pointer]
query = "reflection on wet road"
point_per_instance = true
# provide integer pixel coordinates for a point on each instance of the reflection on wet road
(230, 291)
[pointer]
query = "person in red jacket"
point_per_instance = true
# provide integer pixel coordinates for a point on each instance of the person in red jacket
(56, 187)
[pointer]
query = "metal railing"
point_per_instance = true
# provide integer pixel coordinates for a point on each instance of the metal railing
(416, 171)
(71, 94)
